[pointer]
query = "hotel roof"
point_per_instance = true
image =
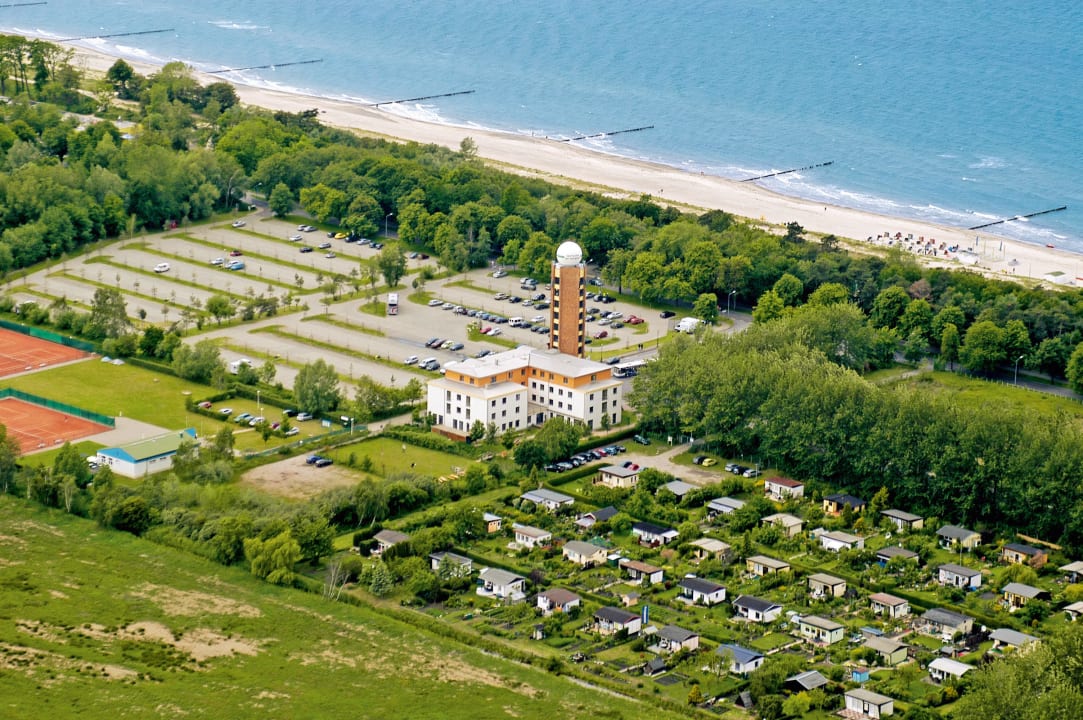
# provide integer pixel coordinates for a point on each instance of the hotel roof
(525, 356)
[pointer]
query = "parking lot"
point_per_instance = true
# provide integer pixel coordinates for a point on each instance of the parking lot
(275, 266)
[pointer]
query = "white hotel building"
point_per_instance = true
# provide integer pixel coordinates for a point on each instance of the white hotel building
(520, 388)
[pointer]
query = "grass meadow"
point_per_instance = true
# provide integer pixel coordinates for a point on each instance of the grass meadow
(96, 623)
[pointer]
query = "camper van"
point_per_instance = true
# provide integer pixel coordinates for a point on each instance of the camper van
(236, 365)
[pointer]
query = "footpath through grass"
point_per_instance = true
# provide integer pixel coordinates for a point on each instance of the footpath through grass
(96, 620)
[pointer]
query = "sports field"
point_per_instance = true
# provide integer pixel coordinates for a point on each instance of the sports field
(35, 427)
(19, 353)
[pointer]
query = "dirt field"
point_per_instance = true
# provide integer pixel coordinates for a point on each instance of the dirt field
(296, 480)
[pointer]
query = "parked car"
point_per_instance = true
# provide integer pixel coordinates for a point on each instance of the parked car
(218, 261)
(601, 334)
(435, 303)
(292, 431)
(225, 411)
(708, 462)
(295, 238)
(666, 314)
(412, 360)
(302, 416)
(326, 245)
(324, 462)
(313, 459)
(455, 347)
(206, 404)
(730, 467)
(238, 223)
(161, 267)
(738, 469)
(751, 473)
(330, 255)
(243, 417)
(633, 320)
(641, 440)
(235, 253)
(306, 249)
(698, 459)
(235, 265)
(500, 273)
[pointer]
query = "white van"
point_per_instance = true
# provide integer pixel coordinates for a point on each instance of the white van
(687, 325)
(515, 322)
(427, 361)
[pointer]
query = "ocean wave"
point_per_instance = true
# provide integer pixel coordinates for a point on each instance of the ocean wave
(234, 25)
(988, 162)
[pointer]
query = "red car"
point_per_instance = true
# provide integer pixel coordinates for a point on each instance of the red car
(205, 404)
(633, 320)
(601, 334)
(235, 253)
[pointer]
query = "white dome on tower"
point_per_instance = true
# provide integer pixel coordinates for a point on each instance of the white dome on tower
(569, 253)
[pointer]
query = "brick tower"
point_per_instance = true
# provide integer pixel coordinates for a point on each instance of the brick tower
(567, 315)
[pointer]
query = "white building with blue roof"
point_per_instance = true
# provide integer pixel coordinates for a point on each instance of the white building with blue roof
(145, 457)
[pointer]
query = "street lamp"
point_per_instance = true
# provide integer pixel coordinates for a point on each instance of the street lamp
(386, 218)
(259, 407)
(1016, 381)
(730, 302)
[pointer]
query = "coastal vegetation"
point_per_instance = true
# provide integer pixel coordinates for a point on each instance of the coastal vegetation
(793, 392)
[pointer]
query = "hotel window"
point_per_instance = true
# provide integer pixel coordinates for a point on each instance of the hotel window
(593, 377)
(503, 401)
(448, 394)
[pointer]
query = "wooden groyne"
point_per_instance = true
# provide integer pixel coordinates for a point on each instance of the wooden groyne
(272, 66)
(15, 5)
(423, 97)
(791, 170)
(1020, 217)
(607, 134)
(115, 35)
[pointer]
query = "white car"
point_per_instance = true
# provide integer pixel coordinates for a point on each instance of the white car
(161, 267)
(295, 238)
(218, 261)
(500, 273)
(238, 223)
(412, 360)
(435, 303)
(301, 417)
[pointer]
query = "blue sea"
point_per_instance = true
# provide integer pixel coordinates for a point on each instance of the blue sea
(950, 111)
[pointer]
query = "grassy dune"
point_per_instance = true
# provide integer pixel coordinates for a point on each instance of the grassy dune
(98, 624)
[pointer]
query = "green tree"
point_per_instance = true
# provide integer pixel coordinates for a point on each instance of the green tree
(197, 363)
(888, 307)
(789, 289)
(706, 308)
(281, 200)
(1052, 356)
(273, 559)
(829, 294)
(392, 264)
(918, 317)
(314, 535)
(381, 583)
(983, 347)
(770, 307)
(70, 462)
(316, 388)
(1043, 682)
(948, 315)
(949, 345)
(220, 307)
(108, 315)
(324, 202)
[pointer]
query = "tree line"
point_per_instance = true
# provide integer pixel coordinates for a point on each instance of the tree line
(778, 393)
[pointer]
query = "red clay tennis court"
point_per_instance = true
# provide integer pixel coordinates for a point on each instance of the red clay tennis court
(19, 353)
(36, 428)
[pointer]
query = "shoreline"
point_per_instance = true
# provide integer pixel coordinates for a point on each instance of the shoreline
(562, 162)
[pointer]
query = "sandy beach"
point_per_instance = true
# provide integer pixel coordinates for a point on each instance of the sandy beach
(565, 162)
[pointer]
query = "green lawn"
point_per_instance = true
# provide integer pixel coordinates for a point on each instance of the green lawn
(976, 393)
(116, 390)
(97, 622)
(393, 456)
